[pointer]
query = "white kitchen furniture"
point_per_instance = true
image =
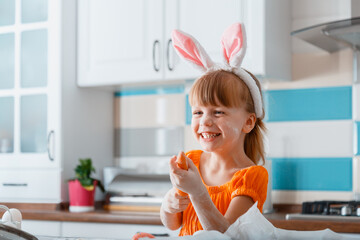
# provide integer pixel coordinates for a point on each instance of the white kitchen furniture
(100, 230)
(93, 230)
(111, 230)
(46, 122)
(29, 87)
(42, 228)
(129, 41)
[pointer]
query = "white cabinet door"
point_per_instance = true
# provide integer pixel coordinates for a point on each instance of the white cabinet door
(42, 228)
(119, 41)
(206, 20)
(129, 41)
(110, 230)
(46, 122)
(21, 185)
(267, 29)
(29, 129)
(29, 93)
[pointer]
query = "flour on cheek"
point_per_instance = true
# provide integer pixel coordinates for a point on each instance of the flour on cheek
(233, 132)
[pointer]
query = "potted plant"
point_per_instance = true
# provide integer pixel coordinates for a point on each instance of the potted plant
(82, 187)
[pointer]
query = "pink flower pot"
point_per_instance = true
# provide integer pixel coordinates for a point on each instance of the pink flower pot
(81, 200)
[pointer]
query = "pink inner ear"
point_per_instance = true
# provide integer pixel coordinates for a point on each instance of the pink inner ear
(232, 41)
(187, 48)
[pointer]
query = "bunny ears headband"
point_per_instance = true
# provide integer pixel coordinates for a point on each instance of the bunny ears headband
(233, 44)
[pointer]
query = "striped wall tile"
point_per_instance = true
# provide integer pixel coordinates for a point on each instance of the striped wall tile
(332, 103)
(356, 177)
(312, 174)
(142, 111)
(145, 142)
(310, 139)
(150, 90)
(145, 164)
(298, 197)
(356, 102)
(188, 113)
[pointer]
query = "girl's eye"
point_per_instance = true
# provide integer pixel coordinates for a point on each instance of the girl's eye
(219, 112)
(197, 112)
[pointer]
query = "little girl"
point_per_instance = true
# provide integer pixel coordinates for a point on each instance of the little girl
(224, 180)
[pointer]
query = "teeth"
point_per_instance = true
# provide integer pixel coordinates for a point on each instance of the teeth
(206, 135)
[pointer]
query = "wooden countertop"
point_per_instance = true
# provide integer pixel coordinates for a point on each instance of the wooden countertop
(50, 213)
(278, 220)
(60, 212)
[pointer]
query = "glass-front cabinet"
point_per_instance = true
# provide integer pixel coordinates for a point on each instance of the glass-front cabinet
(29, 72)
(46, 121)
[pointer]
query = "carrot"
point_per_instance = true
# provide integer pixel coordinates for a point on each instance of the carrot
(181, 162)
(139, 235)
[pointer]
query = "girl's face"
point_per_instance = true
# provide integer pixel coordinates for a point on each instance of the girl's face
(220, 128)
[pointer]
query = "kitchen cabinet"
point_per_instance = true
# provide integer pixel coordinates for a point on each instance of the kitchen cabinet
(111, 230)
(42, 228)
(124, 42)
(46, 123)
(91, 230)
(119, 41)
(126, 231)
(29, 90)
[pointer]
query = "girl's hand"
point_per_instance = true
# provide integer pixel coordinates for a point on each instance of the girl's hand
(173, 202)
(188, 181)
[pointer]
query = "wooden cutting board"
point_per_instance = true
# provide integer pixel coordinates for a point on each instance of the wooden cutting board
(132, 208)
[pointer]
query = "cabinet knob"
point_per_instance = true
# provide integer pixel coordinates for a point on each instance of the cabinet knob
(156, 45)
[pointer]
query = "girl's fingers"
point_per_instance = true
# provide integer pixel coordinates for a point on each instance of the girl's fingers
(178, 196)
(173, 182)
(172, 163)
(190, 163)
(175, 169)
(172, 160)
(185, 202)
(174, 179)
(183, 206)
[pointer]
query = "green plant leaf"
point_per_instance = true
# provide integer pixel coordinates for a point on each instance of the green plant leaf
(83, 173)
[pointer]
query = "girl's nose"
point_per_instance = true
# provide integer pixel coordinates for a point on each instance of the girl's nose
(206, 121)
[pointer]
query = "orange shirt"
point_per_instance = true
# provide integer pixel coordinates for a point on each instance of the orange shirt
(251, 181)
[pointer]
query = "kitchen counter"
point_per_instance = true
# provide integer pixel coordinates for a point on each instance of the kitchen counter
(278, 220)
(55, 212)
(49, 212)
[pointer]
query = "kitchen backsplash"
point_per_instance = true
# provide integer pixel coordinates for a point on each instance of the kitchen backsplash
(149, 126)
(310, 142)
(313, 134)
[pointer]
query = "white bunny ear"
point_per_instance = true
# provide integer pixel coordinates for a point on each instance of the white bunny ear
(233, 44)
(191, 50)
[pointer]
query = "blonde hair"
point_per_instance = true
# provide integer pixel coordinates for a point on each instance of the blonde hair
(227, 89)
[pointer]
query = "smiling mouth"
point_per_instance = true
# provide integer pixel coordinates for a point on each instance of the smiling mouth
(209, 135)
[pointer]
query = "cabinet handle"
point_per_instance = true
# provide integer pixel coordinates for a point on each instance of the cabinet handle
(168, 55)
(15, 184)
(51, 133)
(156, 43)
